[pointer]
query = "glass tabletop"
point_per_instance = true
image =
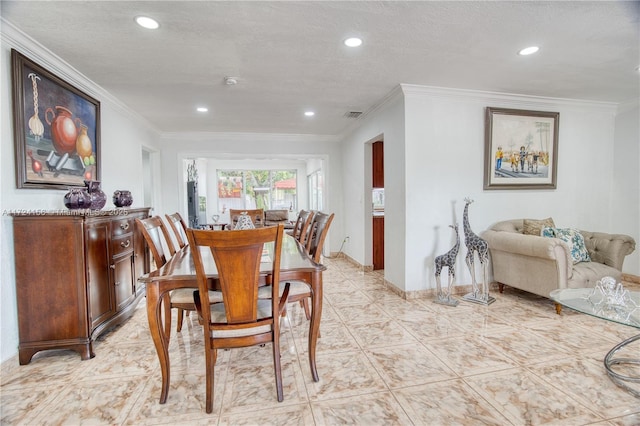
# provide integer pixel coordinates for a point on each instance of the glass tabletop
(624, 310)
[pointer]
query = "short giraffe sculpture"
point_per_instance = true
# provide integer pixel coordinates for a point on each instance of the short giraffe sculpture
(476, 244)
(449, 260)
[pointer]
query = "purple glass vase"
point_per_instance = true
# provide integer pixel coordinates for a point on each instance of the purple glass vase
(122, 198)
(98, 197)
(77, 198)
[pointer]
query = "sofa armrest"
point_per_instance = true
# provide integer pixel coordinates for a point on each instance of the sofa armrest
(532, 246)
(608, 249)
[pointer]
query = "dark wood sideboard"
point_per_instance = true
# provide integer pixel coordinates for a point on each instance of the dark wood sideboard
(76, 276)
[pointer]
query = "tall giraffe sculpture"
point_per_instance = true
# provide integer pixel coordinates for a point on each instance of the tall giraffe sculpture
(449, 260)
(476, 244)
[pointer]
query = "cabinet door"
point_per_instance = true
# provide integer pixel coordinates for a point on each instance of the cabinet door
(122, 269)
(377, 155)
(378, 242)
(101, 303)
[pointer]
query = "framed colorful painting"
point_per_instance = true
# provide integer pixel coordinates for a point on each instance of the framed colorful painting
(521, 149)
(56, 129)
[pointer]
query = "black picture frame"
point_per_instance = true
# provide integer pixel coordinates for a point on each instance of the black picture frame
(56, 129)
(521, 149)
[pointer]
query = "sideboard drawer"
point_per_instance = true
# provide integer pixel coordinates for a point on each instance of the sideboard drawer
(122, 226)
(122, 245)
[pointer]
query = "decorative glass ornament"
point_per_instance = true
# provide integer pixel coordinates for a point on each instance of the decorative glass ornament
(244, 222)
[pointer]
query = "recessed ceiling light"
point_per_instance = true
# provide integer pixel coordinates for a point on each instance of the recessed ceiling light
(202, 109)
(528, 50)
(146, 22)
(353, 42)
(309, 113)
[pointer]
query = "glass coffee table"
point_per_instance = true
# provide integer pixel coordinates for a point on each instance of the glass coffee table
(586, 301)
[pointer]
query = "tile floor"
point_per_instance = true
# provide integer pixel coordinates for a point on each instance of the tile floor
(381, 359)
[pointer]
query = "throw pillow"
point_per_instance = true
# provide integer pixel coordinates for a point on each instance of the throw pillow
(574, 240)
(534, 227)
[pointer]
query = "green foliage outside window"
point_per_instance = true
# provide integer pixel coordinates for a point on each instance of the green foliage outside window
(262, 189)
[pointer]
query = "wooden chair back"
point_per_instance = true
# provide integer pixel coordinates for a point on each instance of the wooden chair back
(256, 215)
(302, 225)
(179, 228)
(241, 319)
(154, 233)
(317, 234)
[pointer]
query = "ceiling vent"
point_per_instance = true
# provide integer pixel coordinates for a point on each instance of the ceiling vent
(353, 114)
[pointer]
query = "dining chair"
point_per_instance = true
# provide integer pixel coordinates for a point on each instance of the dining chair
(318, 234)
(302, 225)
(179, 228)
(157, 237)
(304, 237)
(242, 319)
(256, 215)
(300, 291)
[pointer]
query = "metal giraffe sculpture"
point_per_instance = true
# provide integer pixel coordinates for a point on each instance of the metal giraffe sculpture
(476, 244)
(449, 260)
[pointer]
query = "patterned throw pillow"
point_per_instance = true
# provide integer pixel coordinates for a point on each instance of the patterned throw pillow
(574, 240)
(534, 227)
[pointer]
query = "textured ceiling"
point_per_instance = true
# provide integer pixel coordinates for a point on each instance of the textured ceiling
(289, 56)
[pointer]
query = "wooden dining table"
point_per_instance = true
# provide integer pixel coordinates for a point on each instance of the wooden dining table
(179, 272)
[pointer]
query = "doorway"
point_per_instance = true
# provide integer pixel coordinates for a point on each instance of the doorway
(150, 167)
(377, 198)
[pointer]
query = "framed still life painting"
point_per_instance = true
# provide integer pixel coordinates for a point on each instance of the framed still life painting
(521, 149)
(56, 129)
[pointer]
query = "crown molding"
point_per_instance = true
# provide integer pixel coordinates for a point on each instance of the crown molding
(12, 37)
(395, 94)
(389, 98)
(628, 105)
(504, 99)
(249, 137)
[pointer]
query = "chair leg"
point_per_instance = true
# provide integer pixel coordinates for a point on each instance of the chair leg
(307, 310)
(276, 363)
(211, 362)
(180, 319)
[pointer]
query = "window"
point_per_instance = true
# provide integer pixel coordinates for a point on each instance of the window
(316, 185)
(257, 189)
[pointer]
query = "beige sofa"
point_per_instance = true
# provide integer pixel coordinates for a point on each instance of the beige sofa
(539, 264)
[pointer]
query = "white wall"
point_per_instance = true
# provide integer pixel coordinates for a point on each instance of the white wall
(123, 134)
(439, 162)
(625, 187)
(445, 152)
(243, 149)
(386, 123)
